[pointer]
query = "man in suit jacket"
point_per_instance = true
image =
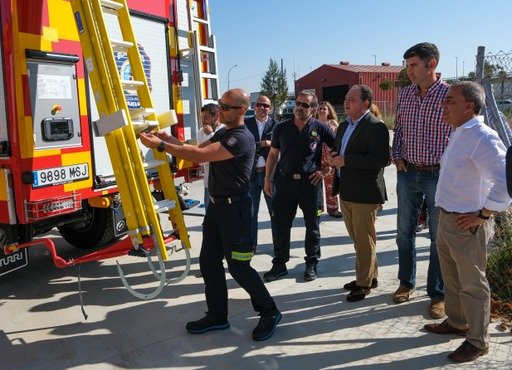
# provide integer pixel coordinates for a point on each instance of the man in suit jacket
(261, 126)
(360, 154)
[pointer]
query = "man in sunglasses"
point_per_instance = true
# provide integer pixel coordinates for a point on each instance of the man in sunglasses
(226, 226)
(295, 157)
(261, 126)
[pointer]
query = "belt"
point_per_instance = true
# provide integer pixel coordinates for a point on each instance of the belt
(260, 169)
(296, 176)
(431, 168)
(449, 212)
(229, 200)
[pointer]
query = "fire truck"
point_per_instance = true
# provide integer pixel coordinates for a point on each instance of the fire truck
(55, 168)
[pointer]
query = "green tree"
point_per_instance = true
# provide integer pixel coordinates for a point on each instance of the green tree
(274, 85)
(386, 85)
(402, 80)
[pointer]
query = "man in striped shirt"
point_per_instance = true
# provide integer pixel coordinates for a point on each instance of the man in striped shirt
(420, 138)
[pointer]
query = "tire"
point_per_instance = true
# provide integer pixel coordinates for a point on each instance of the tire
(96, 230)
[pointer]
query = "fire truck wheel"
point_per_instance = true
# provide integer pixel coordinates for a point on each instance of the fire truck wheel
(96, 230)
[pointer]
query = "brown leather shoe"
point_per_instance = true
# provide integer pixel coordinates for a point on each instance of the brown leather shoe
(444, 328)
(436, 310)
(402, 294)
(467, 352)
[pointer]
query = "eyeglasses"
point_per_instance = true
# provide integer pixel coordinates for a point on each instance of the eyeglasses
(259, 105)
(301, 104)
(226, 107)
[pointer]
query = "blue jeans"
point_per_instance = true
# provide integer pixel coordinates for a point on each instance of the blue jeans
(412, 187)
(256, 188)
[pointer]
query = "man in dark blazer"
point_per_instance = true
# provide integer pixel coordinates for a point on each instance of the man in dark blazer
(360, 154)
(261, 126)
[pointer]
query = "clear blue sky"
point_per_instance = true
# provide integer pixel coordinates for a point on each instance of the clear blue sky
(309, 33)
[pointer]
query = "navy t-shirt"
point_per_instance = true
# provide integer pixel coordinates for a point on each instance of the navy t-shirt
(301, 151)
(231, 177)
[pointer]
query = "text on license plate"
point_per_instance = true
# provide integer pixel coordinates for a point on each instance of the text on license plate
(60, 175)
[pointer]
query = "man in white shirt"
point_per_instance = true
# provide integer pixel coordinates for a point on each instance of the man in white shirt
(211, 124)
(471, 188)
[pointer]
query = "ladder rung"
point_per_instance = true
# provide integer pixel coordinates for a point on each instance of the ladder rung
(152, 164)
(121, 45)
(139, 126)
(206, 48)
(200, 20)
(132, 84)
(210, 76)
(111, 5)
(141, 112)
(164, 205)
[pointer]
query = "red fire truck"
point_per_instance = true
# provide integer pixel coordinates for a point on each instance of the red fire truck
(54, 170)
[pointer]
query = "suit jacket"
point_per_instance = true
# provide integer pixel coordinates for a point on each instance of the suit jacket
(266, 135)
(361, 180)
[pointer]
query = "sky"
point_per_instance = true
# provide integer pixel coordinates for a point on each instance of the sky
(307, 34)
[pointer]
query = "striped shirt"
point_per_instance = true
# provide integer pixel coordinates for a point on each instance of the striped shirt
(420, 136)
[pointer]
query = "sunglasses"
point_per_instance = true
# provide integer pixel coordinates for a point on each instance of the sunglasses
(259, 105)
(226, 107)
(301, 104)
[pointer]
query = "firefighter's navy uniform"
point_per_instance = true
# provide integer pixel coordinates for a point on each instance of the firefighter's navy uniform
(226, 228)
(300, 156)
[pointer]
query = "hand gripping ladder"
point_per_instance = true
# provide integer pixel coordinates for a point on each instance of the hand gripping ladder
(120, 126)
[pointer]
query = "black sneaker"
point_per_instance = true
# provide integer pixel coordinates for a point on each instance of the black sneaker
(358, 294)
(266, 327)
(310, 273)
(352, 284)
(275, 272)
(205, 324)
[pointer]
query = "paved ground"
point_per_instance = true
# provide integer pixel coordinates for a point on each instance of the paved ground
(42, 326)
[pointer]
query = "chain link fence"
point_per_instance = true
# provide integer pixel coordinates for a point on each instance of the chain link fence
(494, 72)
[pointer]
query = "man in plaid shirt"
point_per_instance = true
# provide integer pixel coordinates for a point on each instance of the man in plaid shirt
(420, 138)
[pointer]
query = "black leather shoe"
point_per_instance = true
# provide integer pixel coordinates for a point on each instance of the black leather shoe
(352, 284)
(310, 273)
(266, 327)
(139, 252)
(205, 324)
(275, 272)
(358, 294)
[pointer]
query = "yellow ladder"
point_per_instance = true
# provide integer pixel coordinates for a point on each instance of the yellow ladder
(120, 125)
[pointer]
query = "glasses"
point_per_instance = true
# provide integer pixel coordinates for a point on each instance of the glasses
(259, 105)
(226, 107)
(301, 104)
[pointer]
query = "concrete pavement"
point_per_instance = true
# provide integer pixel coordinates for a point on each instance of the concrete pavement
(42, 326)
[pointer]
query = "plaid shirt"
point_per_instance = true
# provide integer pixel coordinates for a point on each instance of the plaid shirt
(420, 136)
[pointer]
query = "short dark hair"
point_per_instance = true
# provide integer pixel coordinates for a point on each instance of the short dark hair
(210, 108)
(366, 94)
(473, 93)
(424, 50)
(314, 98)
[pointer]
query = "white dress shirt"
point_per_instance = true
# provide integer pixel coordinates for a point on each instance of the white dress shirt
(261, 127)
(472, 174)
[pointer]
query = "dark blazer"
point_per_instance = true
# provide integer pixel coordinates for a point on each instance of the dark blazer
(267, 135)
(361, 180)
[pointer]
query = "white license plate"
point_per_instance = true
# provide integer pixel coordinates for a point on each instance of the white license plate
(61, 175)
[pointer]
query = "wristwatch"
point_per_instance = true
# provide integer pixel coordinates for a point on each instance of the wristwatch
(161, 146)
(481, 215)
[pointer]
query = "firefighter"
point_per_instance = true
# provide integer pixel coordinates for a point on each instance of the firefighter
(228, 216)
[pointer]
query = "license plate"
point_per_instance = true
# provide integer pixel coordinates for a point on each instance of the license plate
(13, 261)
(60, 175)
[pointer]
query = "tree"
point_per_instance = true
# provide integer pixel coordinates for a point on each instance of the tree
(274, 85)
(402, 80)
(386, 85)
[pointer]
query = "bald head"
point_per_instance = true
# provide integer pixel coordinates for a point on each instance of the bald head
(239, 97)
